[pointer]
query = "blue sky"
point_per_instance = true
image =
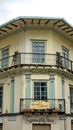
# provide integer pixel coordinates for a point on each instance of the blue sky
(10, 9)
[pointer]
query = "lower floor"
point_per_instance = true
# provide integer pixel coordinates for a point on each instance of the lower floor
(36, 122)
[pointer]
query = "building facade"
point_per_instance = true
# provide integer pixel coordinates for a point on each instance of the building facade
(36, 74)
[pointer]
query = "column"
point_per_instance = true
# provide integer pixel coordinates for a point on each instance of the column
(28, 89)
(63, 93)
(52, 90)
(12, 96)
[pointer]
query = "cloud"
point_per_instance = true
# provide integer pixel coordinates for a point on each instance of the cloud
(11, 8)
(50, 8)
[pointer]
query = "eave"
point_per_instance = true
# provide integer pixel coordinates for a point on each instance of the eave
(56, 24)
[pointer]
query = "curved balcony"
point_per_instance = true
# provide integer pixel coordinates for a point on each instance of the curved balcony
(38, 106)
(36, 59)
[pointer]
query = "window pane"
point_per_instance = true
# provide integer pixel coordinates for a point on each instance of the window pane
(43, 83)
(36, 83)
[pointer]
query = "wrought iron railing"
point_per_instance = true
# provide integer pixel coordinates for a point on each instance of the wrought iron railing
(51, 105)
(43, 59)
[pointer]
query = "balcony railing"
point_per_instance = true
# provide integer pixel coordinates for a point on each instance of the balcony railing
(50, 105)
(42, 59)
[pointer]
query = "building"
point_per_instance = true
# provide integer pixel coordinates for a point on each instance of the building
(36, 74)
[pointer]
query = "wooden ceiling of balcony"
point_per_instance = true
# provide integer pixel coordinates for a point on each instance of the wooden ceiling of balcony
(28, 22)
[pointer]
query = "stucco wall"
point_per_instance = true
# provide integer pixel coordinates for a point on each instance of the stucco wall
(20, 90)
(22, 41)
(13, 123)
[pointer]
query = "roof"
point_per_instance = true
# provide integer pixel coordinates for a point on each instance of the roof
(57, 24)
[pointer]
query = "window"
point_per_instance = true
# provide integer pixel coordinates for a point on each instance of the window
(5, 59)
(65, 54)
(40, 90)
(71, 98)
(1, 97)
(38, 49)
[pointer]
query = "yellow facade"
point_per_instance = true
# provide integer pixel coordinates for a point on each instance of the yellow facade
(18, 80)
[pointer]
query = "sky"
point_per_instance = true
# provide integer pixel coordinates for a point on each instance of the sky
(10, 9)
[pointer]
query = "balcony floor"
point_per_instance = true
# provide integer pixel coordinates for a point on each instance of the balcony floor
(49, 111)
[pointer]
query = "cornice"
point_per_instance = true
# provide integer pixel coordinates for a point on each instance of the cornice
(24, 71)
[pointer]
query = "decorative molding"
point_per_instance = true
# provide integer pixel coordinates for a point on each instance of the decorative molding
(40, 119)
(11, 73)
(38, 40)
(52, 74)
(11, 118)
(28, 77)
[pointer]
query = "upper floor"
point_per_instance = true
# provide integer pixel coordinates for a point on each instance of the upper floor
(36, 41)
